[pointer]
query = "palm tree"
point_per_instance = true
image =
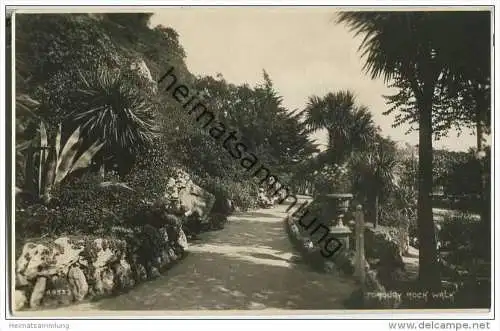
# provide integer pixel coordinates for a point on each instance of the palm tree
(349, 127)
(427, 52)
(109, 108)
(374, 174)
(400, 46)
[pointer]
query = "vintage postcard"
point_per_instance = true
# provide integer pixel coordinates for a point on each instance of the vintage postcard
(250, 161)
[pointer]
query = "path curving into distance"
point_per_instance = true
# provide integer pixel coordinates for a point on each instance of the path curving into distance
(249, 265)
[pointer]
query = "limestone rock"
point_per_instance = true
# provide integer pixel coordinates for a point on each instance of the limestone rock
(196, 200)
(142, 69)
(295, 230)
(372, 283)
(38, 292)
(165, 259)
(123, 274)
(21, 280)
(98, 288)
(182, 240)
(308, 244)
(70, 251)
(140, 272)
(20, 300)
(185, 195)
(105, 254)
(41, 260)
(33, 258)
(382, 245)
(78, 283)
(103, 281)
(108, 280)
(164, 234)
(57, 292)
(172, 255)
(155, 273)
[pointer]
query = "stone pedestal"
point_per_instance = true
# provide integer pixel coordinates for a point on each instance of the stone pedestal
(342, 233)
(335, 207)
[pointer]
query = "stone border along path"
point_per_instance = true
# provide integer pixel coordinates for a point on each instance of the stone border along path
(250, 264)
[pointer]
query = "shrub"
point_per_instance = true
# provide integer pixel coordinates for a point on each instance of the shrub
(459, 235)
(88, 207)
(243, 194)
(145, 245)
(35, 220)
(151, 245)
(80, 206)
(464, 262)
(150, 175)
(333, 179)
(153, 214)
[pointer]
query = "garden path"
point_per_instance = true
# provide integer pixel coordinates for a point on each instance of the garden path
(249, 265)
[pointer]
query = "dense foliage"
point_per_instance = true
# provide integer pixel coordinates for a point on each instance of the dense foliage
(430, 58)
(97, 72)
(97, 139)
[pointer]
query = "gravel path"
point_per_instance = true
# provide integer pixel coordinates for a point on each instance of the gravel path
(249, 265)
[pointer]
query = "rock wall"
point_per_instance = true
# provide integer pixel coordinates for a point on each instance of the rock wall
(310, 251)
(372, 294)
(67, 270)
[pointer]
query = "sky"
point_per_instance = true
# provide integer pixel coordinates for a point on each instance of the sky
(302, 49)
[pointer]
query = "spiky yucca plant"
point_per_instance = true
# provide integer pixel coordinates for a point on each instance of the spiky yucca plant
(373, 174)
(110, 108)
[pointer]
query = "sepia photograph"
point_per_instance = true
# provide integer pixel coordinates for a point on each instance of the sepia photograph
(209, 161)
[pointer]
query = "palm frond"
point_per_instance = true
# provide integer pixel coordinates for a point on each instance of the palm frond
(388, 43)
(111, 110)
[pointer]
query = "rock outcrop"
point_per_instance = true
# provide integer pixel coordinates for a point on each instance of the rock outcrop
(143, 71)
(187, 197)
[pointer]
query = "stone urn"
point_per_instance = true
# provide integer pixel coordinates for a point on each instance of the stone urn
(337, 206)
